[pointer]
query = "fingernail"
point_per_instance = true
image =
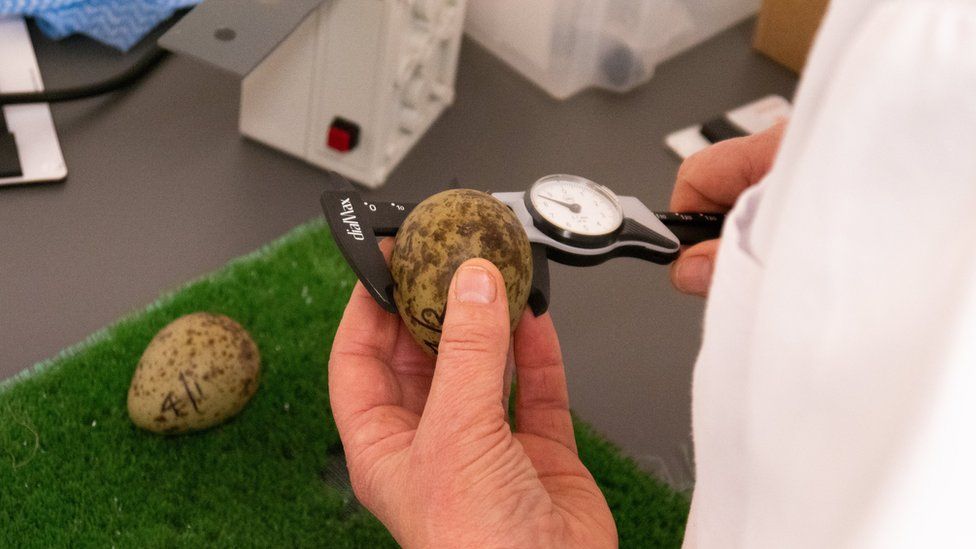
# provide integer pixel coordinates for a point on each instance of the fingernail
(474, 285)
(694, 274)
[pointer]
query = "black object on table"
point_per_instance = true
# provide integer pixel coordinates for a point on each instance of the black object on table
(9, 159)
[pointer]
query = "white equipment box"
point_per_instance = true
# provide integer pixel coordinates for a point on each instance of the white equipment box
(356, 84)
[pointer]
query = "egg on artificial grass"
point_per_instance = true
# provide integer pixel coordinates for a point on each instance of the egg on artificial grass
(440, 234)
(197, 372)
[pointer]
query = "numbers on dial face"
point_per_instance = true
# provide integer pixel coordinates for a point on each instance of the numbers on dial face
(578, 206)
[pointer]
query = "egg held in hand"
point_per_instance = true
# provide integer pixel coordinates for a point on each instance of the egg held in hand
(440, 234)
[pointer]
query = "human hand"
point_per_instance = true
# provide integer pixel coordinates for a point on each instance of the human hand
(711, 181)
(430, 451)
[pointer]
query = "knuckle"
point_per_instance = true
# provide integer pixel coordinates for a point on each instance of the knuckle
(352, 349)
(470, 338)
(687, 168)
(360, 483)
(691, 170)
(478, 328)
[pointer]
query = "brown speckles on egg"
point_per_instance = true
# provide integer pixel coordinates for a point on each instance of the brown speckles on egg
(437, 237)
(167, 395)
(247, 350)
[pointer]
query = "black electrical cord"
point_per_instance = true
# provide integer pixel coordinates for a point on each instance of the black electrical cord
(138, 70)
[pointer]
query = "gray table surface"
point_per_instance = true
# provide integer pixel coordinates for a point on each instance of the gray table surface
(162, 189)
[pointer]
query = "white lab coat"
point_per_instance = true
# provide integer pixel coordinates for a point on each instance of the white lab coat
(834, 400)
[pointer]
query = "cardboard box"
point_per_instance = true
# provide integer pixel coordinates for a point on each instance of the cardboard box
(786, 30)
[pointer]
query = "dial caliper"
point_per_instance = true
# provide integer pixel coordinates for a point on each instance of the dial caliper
(568, 219)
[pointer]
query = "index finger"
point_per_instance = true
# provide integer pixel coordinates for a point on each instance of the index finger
(541, 396)
(712, 180)
(360, 378)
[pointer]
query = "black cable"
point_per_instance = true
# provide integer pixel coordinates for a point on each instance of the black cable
(138, 70)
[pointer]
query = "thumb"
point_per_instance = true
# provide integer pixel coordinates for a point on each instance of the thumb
(692, 272)
(468, 381)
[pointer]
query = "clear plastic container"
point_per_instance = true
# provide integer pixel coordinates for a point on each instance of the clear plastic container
(565, 46)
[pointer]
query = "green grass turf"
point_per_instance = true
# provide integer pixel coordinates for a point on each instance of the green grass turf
(74, 471)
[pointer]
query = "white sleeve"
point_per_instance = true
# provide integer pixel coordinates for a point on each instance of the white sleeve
(849, 337)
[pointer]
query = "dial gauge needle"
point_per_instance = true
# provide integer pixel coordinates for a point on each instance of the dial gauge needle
(575, 208)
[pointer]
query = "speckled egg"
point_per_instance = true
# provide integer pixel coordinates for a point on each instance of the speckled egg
(197, 372)
(439, 235)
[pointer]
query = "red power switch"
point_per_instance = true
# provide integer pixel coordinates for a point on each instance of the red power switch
(343, 135)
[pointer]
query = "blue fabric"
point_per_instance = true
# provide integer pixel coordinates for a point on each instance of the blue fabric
(118, 23)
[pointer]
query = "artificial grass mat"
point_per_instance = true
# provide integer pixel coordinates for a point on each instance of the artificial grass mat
(74, 471)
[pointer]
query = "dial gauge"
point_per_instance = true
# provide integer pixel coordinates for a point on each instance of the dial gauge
(574, 209)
